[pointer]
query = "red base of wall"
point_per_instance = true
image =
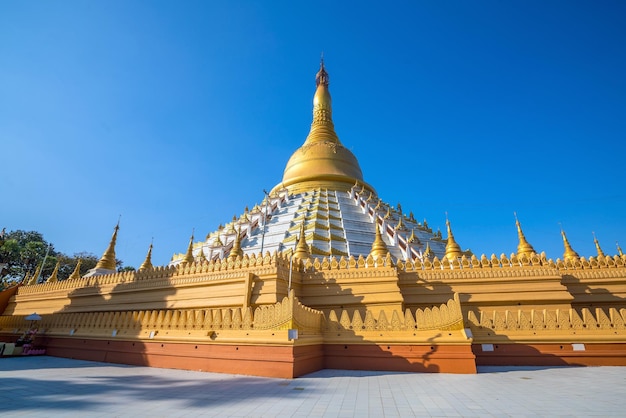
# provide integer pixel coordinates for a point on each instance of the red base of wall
(404, 358)
(282, 362)
(293, 361)
(551, 355)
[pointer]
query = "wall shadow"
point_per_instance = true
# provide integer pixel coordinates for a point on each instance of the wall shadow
(94, 388)
(86, 341)
(586, 296)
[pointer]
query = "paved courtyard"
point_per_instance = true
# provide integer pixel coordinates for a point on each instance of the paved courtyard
(48, 386)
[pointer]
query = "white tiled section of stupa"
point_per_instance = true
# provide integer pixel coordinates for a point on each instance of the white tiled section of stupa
(336, 223)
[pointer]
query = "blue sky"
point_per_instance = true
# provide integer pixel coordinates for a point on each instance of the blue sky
(176, 115)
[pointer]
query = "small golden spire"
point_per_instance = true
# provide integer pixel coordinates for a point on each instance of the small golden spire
(379, 248)
(598, 249)
(107, 261)
(188, 259)
(302, 249)
(400, 226)
(218, 242)
(33, 279)
(147, 263)
(201, 257)
(388, 214)
(26, 278)
(523, 247)
(428, 253)
(411, 217)
(569, 253)
(54, 277)
(413, 238)
(619, 249)
(453, 250)
(236, 251)
(76, 273)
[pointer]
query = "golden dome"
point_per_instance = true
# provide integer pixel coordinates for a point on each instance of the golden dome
(322, 161)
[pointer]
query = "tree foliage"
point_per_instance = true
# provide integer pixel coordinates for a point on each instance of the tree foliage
(21, 252)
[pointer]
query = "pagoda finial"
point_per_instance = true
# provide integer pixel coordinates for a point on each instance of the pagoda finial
(107, 261)
(26, 278)
(619, 249)
(76, 273)
(598, 249)
(569, 253)
(413, 238)
(302, 250)
(236, 251)
(453, 250)
(428, 253)
(201, 256)
(322, 76)
(400, 226)
(54, 277)
(379, 248)
(188, 259)
(147, 263)
(523, 248)
(33, 279)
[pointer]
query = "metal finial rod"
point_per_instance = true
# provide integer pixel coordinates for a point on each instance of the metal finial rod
(267, 198)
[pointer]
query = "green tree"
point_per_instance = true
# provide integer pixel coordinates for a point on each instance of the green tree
(68, 264)
(21, 252)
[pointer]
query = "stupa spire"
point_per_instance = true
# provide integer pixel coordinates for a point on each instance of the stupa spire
(569, 253)
(54, 277)
(201, 256)
(598, 249)
(428, 252)
(33, 279)
(322, 161)
(147, 263)
(523, 247)
(107, 261)
(302, 250)
(322, 127)
(619, 249)
(76, 273)
(379, 248)
(188, 259)
(453, 250)
(236, 251)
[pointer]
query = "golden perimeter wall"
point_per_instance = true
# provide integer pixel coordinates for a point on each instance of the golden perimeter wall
(371, 313)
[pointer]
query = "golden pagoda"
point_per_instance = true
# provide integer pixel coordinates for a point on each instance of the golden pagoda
(323, 274)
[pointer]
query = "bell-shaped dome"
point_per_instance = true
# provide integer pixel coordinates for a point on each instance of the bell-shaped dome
(322, 161)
